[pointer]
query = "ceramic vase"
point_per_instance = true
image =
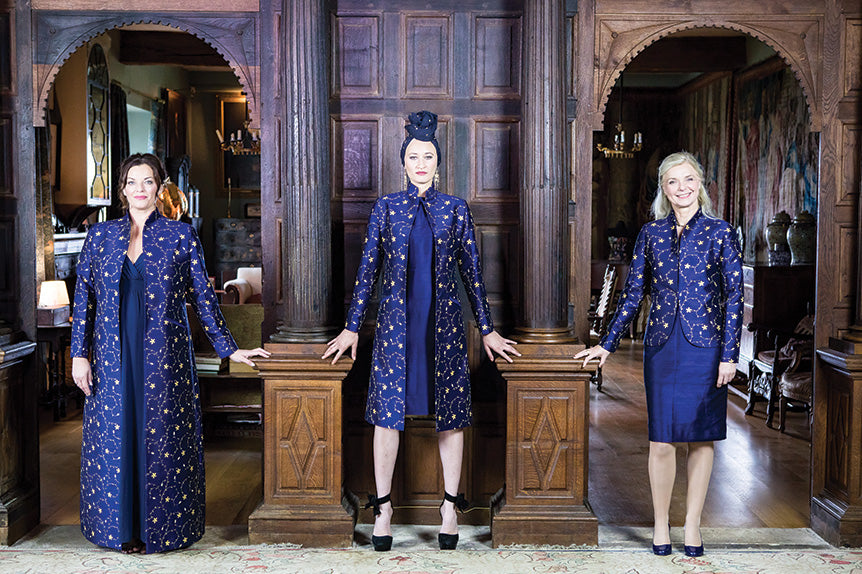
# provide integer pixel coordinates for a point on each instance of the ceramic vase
(802, 239)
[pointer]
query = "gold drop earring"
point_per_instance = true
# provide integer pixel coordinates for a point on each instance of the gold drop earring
(437, 180)
(404, 182)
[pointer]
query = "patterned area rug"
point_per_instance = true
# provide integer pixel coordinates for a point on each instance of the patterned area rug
(49, 553)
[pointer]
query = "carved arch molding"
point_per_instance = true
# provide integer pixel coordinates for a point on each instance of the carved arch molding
(56, 35)
(796, 38)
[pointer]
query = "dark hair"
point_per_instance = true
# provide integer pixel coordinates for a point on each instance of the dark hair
(148, 159)
(422, 126)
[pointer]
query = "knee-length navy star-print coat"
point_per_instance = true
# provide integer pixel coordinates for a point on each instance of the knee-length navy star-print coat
(175, 273)
(698, 275)
(386, 249)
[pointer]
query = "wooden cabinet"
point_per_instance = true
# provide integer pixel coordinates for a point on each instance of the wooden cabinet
(237, 244)
(776, 297)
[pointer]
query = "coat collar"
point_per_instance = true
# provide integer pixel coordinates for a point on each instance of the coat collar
(413, 193)
(152, 218)
(692, 223)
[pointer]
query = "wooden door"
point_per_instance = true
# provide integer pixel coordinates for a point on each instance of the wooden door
(462, 63)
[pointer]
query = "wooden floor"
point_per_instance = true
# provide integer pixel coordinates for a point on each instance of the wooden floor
(760, 478)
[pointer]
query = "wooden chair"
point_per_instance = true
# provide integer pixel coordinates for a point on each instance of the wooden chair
(768, 367)
(797, 382)
(600, 315)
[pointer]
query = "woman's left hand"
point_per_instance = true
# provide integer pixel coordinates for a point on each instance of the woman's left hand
(242, 355)
(495, 343)
(726, 372)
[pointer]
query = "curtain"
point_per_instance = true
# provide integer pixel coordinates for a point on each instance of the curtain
(119, 145)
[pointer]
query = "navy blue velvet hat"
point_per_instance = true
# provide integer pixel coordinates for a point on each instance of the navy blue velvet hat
(422, 127)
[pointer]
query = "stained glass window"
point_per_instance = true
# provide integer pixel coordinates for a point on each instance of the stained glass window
(98, 130)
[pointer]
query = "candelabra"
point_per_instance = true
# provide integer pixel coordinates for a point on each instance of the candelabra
(619, 149)
(242, 142)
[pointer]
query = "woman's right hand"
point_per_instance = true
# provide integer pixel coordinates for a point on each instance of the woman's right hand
(345, 340)
(592, 353)
(82, 374)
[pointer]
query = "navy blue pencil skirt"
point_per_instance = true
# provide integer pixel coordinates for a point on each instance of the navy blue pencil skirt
(683, 403)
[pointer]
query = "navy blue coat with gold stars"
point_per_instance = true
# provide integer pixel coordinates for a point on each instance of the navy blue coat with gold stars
(698, 275)
(175, 273)
(386, 250)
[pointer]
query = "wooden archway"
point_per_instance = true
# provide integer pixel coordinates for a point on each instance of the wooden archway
(797, 40)
(57, 35)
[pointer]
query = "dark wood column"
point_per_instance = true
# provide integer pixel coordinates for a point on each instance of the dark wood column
(306, 311)
(544, 232)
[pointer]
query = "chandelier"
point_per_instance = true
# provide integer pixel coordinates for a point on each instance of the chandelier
(245, 141)
(618, 148)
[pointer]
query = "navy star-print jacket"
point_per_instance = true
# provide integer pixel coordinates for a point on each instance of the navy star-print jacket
(698, 275)
(175, 273)
(386, 249)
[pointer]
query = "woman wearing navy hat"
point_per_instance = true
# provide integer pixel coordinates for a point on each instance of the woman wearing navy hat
(418, 239)
(690, 261)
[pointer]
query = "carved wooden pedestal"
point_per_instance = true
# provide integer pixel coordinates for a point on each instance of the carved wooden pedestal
(836, 508)
(547, 437)
(302, 465)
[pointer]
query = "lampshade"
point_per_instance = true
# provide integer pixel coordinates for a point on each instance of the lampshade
(53, 295)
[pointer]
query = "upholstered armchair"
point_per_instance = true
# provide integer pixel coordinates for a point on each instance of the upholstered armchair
(246, 288)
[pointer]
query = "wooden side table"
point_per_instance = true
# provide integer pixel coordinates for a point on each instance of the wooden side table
(56, 339)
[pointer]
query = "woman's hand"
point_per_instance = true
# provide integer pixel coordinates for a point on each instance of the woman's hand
(726, 372)
(82, 374)
(242, 355)
(495, 343)
(592, 353)
(345, 340)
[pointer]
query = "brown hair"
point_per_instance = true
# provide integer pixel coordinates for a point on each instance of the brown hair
(148, 159)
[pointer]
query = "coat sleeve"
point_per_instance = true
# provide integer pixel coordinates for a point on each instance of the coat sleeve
(369, 267)
(84, 309)
(203, 299)
(731, 270)
(631, 296)
(471, 270)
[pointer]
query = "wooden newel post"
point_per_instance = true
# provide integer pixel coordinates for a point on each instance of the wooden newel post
(547, 442)
(302, 460)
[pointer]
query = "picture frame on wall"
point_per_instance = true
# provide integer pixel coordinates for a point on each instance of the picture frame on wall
(243, 170)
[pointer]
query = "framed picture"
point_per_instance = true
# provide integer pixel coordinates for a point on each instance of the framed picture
(252, 209)
(240, 172)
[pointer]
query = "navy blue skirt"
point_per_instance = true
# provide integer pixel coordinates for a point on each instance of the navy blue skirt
(683, 403)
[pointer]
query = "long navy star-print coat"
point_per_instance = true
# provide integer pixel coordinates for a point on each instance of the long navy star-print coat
(698, 275)
(175, 273)
(386, 250)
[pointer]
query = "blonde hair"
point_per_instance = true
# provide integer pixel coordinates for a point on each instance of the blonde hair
(661, 207)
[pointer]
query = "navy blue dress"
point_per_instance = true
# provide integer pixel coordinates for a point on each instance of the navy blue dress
(133, 323)
(683, 403)
(420, 312)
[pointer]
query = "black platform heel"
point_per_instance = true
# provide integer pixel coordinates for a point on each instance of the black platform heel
(450, 541)
(380, 543)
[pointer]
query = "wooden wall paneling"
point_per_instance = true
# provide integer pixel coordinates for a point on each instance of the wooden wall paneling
(845, 260)
(587, 120)
(19, 432)
(851, 139)
(356, 158)
(498, 249)
(853, 58)
(271, 162)
(835, 515)
(497, 56)
(356, 56)
(427, 56)
(495, 156)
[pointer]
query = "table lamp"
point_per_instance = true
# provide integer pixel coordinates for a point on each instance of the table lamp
(53, 307)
